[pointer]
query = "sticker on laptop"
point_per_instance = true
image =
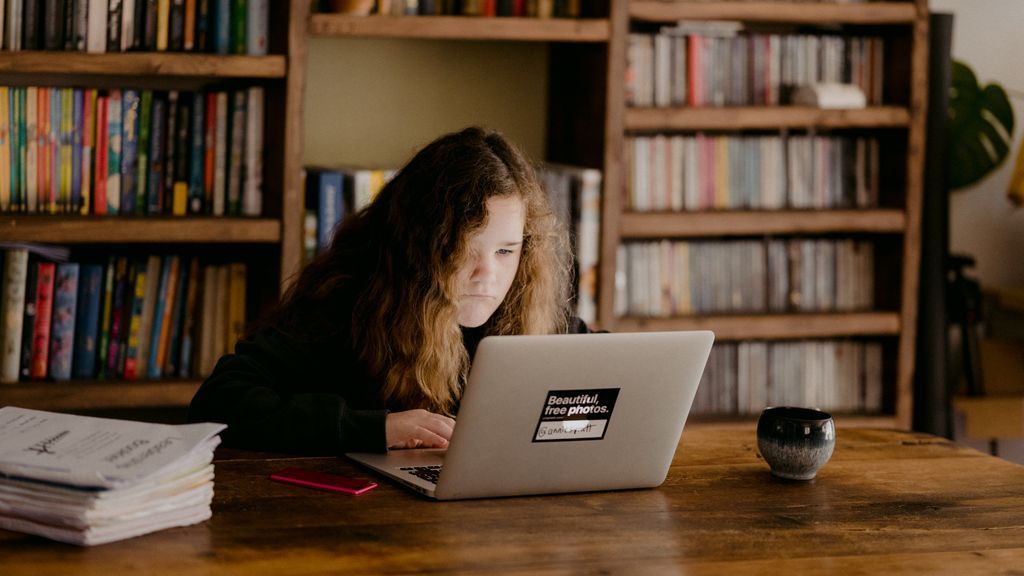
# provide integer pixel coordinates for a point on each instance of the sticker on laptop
(575, 415)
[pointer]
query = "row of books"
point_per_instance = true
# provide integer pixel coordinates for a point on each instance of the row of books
(575, 196)
(673, 278)
(97, 26)
(742, 378)
(130, 318)
(716, 172)
(720, 64)
(520, 8)
(574, 192)
(131, 152)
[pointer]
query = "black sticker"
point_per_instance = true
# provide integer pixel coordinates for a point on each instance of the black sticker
(569, 415)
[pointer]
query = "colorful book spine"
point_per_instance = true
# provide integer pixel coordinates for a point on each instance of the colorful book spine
(235, 152)
(196, 154)
(31, 149)
(103, 341)
(122, 279)
(170, 137)
(67, 156)
(163, 20)
(256, 21)
(209, 151)
(221, 31)
(88, 147)
(77, 142)
(114, 144)
(62, 333)
(142, 148)
(161, 324)
(28, 322)
(156, 155)
(189, 327)
(182, 145)
(177, 321)
(102, 148)
(220, 155)
(44, 316)
(131, 361)
(148, 309)
(130, 102)
(237, 25)
(13, 312)
(87, 320)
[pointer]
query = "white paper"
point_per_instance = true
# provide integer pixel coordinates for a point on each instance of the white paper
(98, 452)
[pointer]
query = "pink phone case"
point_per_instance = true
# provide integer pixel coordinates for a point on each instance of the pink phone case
(323, 481)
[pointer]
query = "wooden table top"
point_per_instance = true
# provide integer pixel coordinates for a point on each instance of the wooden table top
(892, 502)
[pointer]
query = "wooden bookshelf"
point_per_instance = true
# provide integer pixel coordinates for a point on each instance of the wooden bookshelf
(893, 226)
(269, 245)
(461, 28)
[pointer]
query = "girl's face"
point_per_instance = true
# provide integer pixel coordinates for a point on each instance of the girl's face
(490, 268)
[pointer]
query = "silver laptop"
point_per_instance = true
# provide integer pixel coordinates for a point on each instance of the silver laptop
(561, 413)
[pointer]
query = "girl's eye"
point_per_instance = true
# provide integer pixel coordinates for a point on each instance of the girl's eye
(505, 251)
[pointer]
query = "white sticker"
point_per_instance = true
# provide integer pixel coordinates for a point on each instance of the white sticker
(575, 415)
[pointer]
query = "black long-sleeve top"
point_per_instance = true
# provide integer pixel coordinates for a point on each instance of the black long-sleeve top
(285, 394)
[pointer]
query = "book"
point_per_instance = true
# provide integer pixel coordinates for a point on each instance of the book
(208, 313)
(142, 152)
(325, 198)
(177, 321)
(87, 320)
(46, 274)
(96, 33)
(106, 312)
(12, 312)
(157, 137)
(143, 478)
(236, 305)
(256, 22)
(197, 155)
(235, 152)
(130, 101)
(146, 317)
(140, 287)
(161, 316)
(120, 298)
(62, 332)
(114, 19)
(182, 149)
(237, 41)
(188, 329)
(252, 161)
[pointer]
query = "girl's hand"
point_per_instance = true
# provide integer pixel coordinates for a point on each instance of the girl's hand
(418, 429)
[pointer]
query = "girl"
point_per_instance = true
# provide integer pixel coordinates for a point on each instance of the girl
(370, 348)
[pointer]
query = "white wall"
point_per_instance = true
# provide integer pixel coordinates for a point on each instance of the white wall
(374, 102)
(987, 35)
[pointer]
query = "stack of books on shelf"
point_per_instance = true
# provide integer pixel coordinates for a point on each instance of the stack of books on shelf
(90, 481)
(769, 172)
(742, 378)
(332, 193)
(215, 26)
(131, 152)
(723, 64)
(676, 278)
(130, 318)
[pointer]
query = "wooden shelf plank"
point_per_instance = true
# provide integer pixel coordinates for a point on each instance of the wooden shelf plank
(637, 225)
(763, 118)
(82, 395)
(461, 28)
(781, 12)
(773, 326)
(124, 229)
(180, 64)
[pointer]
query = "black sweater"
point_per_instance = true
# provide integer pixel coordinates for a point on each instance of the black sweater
(282, 394)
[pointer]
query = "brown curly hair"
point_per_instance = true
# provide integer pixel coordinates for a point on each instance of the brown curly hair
(396, 262)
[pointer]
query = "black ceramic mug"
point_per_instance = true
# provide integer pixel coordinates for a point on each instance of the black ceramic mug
(795, 442)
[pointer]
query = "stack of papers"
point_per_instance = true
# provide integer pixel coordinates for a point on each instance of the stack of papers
(90, 481)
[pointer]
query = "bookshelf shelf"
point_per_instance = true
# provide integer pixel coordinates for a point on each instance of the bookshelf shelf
(887, 333)
(122, 229)
(79, 395)
(144, 64)
(637, 225)
(766, 118)
(777, 12)
(461, 28)
(774, 326)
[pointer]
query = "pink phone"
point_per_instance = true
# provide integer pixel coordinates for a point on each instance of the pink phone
(323, 480)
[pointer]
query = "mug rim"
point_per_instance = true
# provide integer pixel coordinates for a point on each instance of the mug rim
(796, 413)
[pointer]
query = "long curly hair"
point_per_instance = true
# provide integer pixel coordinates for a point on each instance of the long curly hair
(396, 261)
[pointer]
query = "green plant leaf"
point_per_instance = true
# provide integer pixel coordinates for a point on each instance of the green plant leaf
(980, 127)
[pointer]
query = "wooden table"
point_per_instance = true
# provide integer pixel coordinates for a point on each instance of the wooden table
(888, 502)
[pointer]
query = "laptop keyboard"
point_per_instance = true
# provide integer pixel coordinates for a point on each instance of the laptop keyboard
(428, 473)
